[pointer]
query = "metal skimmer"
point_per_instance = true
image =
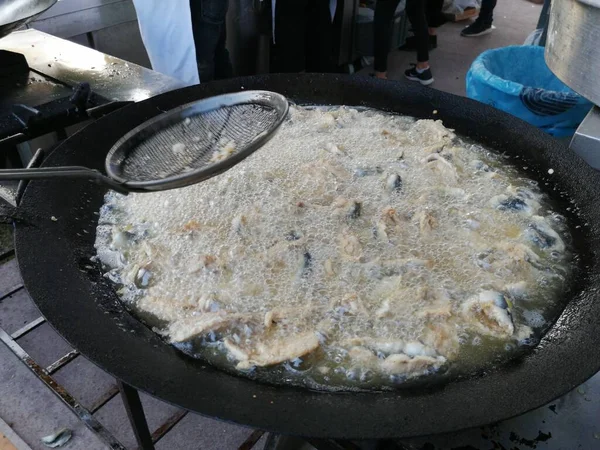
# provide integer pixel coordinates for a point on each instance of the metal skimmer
(183, 146)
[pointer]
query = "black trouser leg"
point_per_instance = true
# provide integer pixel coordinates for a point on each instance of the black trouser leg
(223, 67)
(208, 25)
(303, 36)
(382, 29)
(289, 49)
(486, 14)
(435, 17)
(319, 37)
(415, 10)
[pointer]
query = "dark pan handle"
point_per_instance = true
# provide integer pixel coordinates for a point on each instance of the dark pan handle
(61, 172)
(35, 161)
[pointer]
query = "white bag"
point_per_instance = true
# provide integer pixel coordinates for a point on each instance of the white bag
(534, 37)
(458, 6)
(166, 29)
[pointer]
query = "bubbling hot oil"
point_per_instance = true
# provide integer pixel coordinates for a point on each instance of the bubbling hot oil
(341, 208)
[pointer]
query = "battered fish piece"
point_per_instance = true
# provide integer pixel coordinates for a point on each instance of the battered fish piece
(401, 364)
(278, 351)
(190, 327)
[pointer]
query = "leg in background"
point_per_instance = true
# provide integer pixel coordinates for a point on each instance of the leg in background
(208, 25)
(435, 19)
(382, 26)
(483, 24)
(288, 52)
(223, 67)
(435, 16)
(415, 10)
(319, 37)
(421, 73)
(486, 14)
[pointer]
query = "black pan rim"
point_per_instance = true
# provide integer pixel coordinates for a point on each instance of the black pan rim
(567, 356)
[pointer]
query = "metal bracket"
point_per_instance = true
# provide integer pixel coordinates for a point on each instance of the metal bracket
(80, 97)
(26, 115)
(586, 141)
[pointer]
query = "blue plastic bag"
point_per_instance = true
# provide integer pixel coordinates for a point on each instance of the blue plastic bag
(517, 80)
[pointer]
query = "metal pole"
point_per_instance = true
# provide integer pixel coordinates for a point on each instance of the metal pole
(137, 418)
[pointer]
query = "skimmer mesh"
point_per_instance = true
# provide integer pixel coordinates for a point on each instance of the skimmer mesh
(194, 143)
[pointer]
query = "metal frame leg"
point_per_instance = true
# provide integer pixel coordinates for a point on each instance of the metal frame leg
(332, 444)
(137, 418)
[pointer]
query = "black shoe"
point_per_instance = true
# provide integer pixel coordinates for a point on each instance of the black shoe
(477, 28)
(410, 44)
(425, 77)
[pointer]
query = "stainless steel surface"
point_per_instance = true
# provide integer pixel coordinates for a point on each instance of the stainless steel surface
(74, 17)
(29, 88)
(15, 13)
(572, 50)
(110, 77)
(586, 141)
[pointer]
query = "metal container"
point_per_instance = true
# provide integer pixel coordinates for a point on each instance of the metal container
(572, 50)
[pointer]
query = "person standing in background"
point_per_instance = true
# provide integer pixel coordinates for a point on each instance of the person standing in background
(210, 36)
(483, 24)
(382, 25)
(166, 29)
(435, 19)
(185, 39)
(302, 36)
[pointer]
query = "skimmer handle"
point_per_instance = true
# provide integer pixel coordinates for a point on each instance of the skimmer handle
(62, 172)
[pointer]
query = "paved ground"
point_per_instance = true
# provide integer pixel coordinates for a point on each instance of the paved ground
(513, 19)
(32, 411)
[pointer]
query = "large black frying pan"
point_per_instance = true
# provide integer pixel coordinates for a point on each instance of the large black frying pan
(54, 260)
(15, 13)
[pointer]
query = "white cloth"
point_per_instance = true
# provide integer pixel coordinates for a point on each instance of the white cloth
(332, 9)
(166, 29)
